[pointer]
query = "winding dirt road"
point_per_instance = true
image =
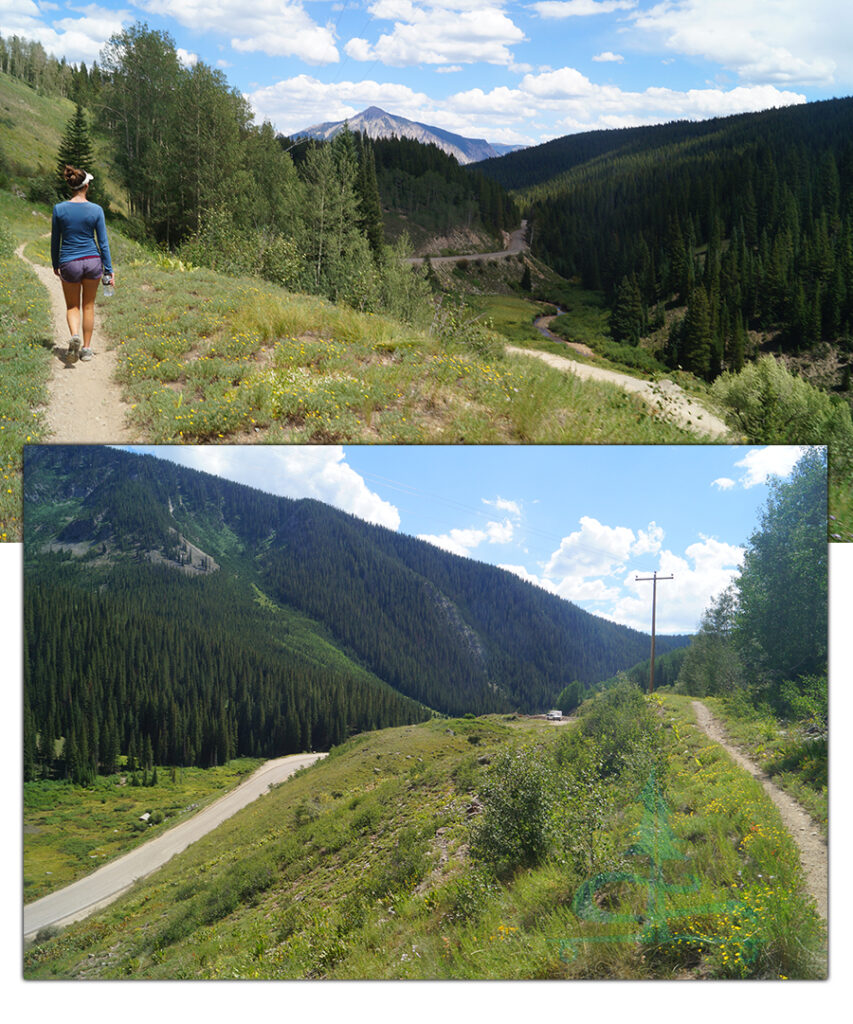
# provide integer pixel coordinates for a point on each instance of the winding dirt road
(516, 244)
(99, 889)
(806, 834)
(85, 404)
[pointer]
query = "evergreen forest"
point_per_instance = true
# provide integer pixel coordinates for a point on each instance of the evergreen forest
(743, 224)
(291, 626)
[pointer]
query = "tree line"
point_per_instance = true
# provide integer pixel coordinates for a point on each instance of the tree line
(766, 637)
(167, 670)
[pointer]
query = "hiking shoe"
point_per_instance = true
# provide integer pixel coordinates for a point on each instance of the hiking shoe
(85, 354)
(73, 346)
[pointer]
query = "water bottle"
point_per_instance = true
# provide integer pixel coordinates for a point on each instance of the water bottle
(108, 286)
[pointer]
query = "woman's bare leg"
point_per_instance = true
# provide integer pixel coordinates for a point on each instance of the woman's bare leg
(90, 290)
(71, 291)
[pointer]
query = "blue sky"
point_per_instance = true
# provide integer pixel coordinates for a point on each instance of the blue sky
(581, 522)
(512, 72)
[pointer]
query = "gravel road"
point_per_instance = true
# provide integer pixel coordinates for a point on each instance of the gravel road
(515, 245)
(99, 889)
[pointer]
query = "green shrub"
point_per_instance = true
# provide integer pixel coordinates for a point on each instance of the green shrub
(806, 699)
(623, 726)
(406, 865)
(467, 898)
(771, 406)
(516, 828)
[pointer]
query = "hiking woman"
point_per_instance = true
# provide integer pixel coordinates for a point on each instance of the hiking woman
(80, 254)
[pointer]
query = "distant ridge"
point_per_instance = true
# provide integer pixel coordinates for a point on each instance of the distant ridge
(376, 123)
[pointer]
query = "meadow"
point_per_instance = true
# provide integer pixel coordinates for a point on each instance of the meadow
(25, 343)
(70, 830)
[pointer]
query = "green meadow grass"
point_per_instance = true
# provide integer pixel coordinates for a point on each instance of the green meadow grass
(32, 126)
(70, 830)
(25, 344)
(360, 867)
(209, 358)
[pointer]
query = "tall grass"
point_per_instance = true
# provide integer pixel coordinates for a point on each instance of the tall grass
(25, 341)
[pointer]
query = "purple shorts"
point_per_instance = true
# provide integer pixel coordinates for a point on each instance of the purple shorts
(75, 270)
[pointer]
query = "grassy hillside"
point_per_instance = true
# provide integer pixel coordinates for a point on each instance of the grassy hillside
(400, 856)
(32, 126)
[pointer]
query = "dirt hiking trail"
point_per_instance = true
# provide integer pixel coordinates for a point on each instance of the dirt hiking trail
(84, 401)
(805, 832)
(664, 396)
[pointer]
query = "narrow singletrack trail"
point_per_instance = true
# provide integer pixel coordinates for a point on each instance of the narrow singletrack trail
(84, 403)
(805, 832)
(665, 397)
(102, 887)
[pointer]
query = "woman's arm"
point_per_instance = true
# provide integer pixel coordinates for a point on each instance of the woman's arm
(103, 244)
(55, 239)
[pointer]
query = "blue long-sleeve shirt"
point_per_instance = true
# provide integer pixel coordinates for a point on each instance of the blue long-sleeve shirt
(74, 228)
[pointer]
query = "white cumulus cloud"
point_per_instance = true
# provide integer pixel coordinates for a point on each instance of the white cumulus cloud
(77, 37)
(278, 28)
(608, 58)
(463, 540)
(186, 58)
(580, 8)
(505, 505)
(761, 463)
(723, 483)
(762, 41)
(707, 568)
(297, 471)
(439, 34)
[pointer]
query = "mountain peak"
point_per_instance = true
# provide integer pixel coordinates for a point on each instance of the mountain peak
(376, 123)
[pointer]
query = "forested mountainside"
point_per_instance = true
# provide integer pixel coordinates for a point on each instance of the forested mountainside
(431, 189)
(200, 619)
(747, 221)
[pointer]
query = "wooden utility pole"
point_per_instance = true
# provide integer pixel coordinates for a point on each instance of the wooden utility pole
(654, 581)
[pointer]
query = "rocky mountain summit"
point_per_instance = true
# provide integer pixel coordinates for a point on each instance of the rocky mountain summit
(376, 123)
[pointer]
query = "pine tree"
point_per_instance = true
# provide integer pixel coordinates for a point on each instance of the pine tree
(370, 207)
(627, 318)
(697, 341)
(75, 149)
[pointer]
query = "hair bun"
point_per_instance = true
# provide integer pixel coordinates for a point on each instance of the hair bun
(73, 176)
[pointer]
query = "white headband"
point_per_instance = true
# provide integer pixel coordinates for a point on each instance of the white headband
(85, 181)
